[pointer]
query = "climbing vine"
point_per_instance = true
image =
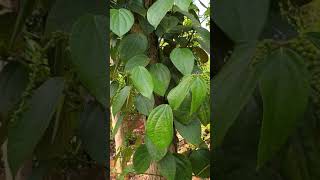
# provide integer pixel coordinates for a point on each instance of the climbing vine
(160, 78)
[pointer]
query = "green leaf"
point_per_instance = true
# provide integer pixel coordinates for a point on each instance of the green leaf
(161, 78)
(168, 23)
(244, 23)
(65, 13)
(132, 45)
(204, 112)
(167, 166)
(147, 28)
(200, 160)
(201, 54)
(26, 132)
(184, 168)
(183, 60)
(128, 169)
(190, 132)
(183, 4)
(195, 20)
(285, 91)
(199, 92)
(182, 114)
(13, 81)
(137, 6)
(144, 105)
(138, 60)
(89, 50)
(156, 153)
(142, 80)
(237, 75)
(120, 99)
(141, 159)
(160, 126)
(117, 126)
(204, 38)
(121, 21)
(178, 94)
(114, 86)
(158, 10)
(56, 140)
(93, 131)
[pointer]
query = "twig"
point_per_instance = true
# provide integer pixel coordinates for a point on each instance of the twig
(202, 4)
(206, 167)
(149, 174)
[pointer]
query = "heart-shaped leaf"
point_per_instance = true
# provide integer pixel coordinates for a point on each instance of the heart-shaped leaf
(138, 60)
(161, 78)
(144, 105)
(89, 50)
(64, 13)
(132, 45)
(114, 86)
(183, 4)
(167, 23)
(26, 132)
(177, 94)
(141, 159)
(120, 99)
(204, 112)
(285, 91)
(142, 80)
(184, 168)
(158, 10)
(167, 166)
(199, 92)
(182, 114)
(200, 161)
(156, 153)
(121, 21)
(137, 6)
(183, 60)
(160, 126)
(190, 132)
(93, 130)
(201, 54)
(204, 38)
(13, 81)
(237, 75)
(244, 23)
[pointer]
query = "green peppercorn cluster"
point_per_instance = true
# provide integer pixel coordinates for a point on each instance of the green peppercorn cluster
(206, 78)
(34, 23)
(263, 49)
(311, 54)
(303, 47)
(38, 72)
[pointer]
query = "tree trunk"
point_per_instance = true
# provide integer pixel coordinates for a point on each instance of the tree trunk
(119, 139)
(153, 53)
